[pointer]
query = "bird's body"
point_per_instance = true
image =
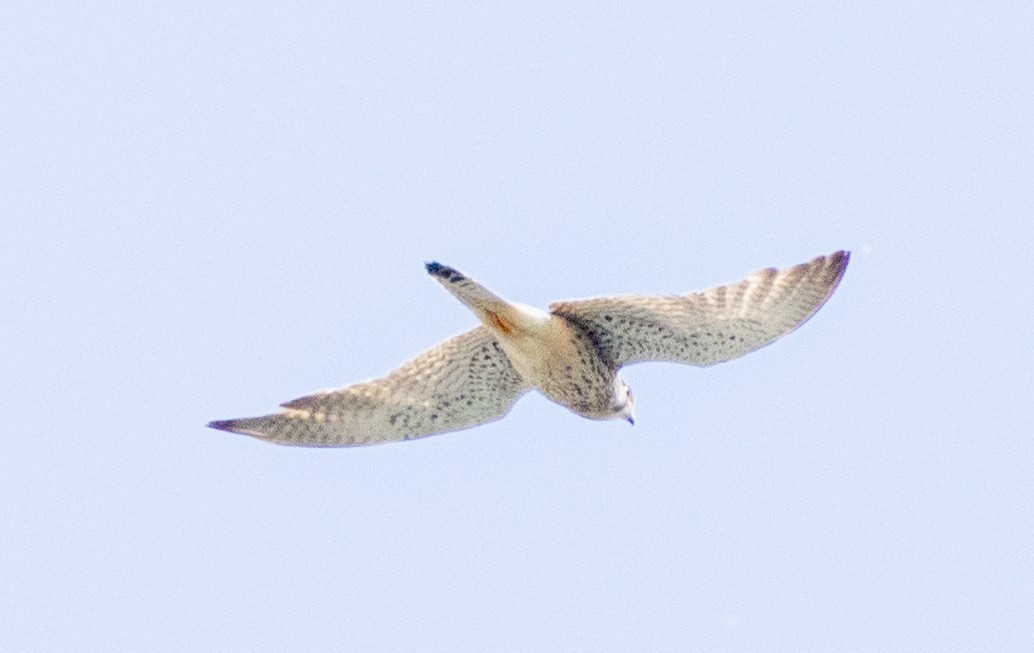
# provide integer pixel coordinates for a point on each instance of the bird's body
(571, 354)
(550, 353)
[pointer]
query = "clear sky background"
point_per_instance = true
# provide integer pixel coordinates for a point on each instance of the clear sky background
(209, 208)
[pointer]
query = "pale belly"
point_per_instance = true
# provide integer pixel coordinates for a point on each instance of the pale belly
(561, 363)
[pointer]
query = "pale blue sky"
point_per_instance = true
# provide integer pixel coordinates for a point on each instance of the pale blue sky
(210, 208)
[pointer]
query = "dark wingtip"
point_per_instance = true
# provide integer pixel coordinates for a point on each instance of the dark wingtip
(840, 260)
(224, 425)
(434, 267)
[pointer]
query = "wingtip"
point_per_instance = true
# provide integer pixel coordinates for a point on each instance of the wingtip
(840, 260)
(228, 425)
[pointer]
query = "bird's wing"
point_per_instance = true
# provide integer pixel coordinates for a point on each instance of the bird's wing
(464, 381)
(707, 327)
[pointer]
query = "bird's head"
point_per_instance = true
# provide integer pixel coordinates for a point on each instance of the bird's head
(623, 402)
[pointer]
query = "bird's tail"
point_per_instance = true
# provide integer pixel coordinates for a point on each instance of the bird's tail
(495, 312)
(475, 296)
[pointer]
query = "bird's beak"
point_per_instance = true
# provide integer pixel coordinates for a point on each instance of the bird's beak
(631, 420)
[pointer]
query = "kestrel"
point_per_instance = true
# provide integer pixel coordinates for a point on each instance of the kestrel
(571, 354)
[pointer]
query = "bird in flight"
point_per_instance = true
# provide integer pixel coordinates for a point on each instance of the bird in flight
(571, 354)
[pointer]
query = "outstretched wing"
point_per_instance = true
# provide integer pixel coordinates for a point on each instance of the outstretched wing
(464, 381)
(712, 326)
